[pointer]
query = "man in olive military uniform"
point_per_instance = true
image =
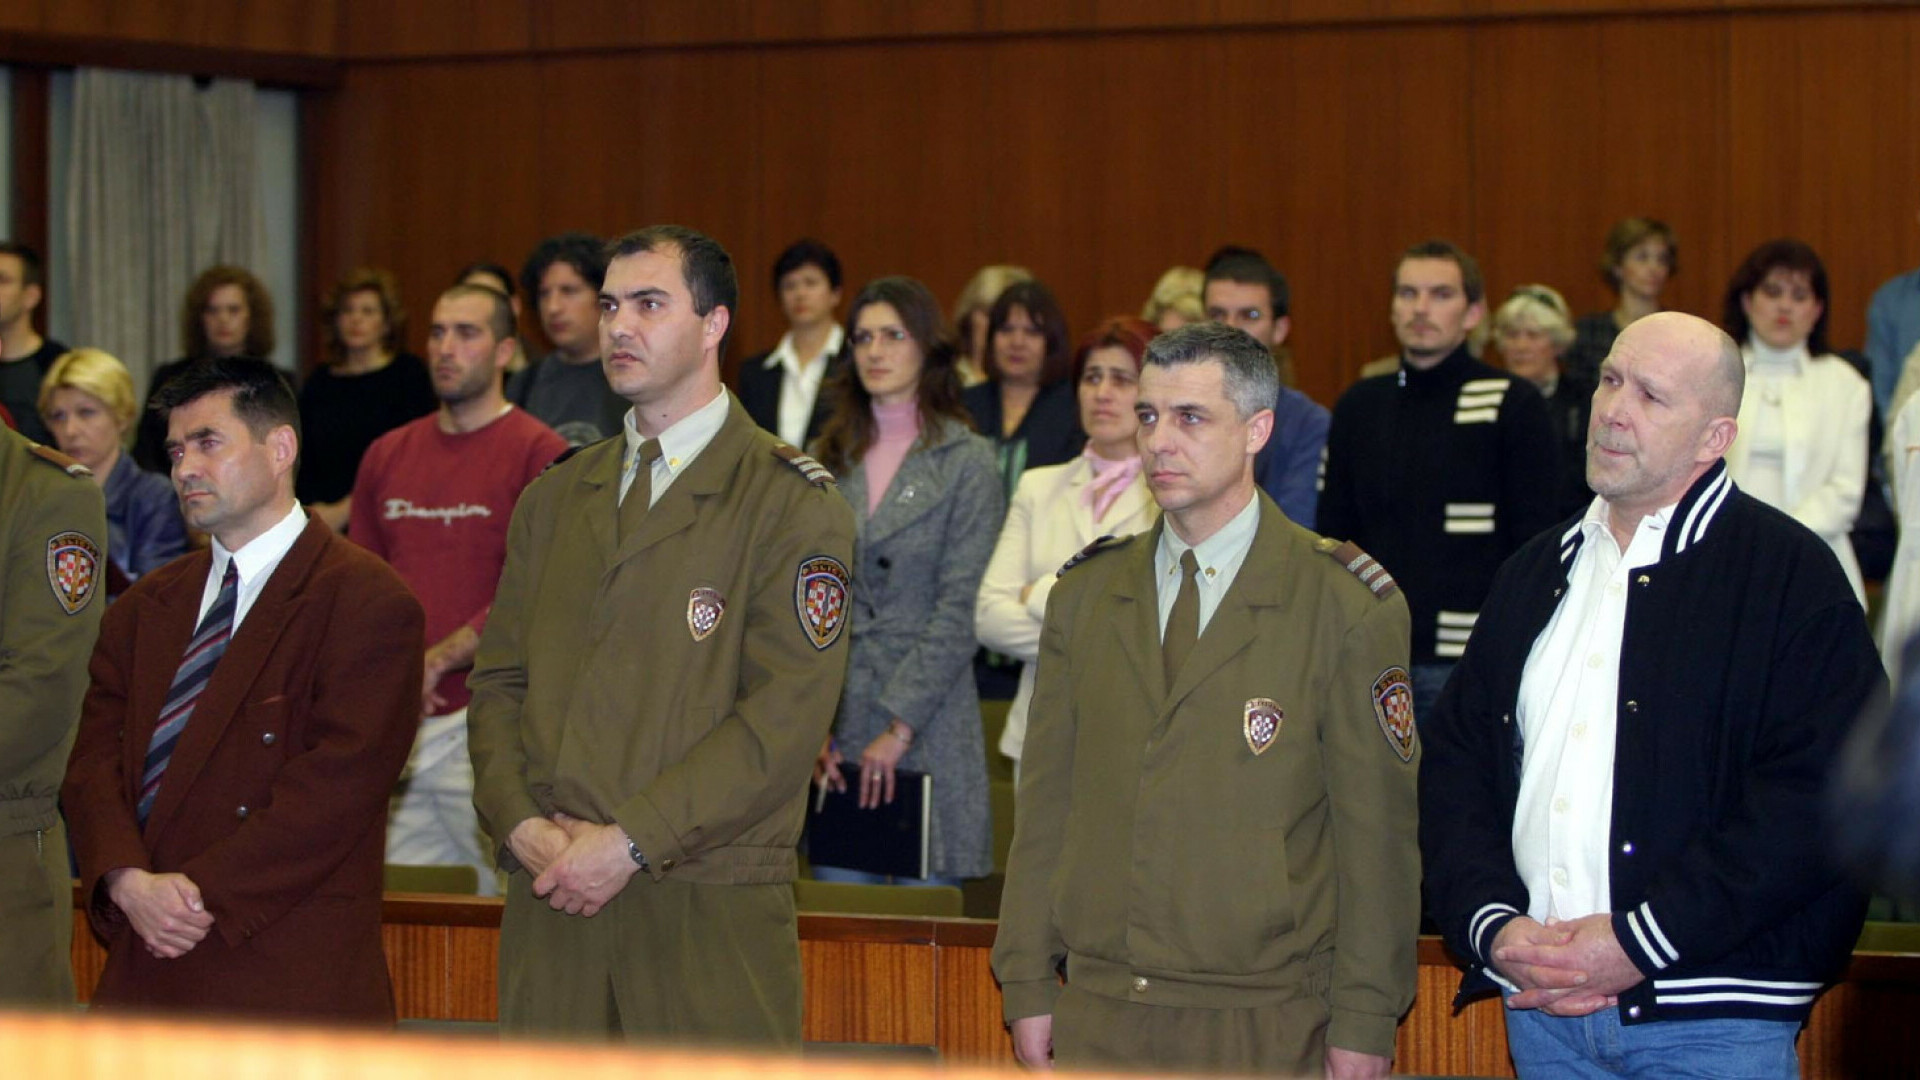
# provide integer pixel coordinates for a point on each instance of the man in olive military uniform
(1216, 832)
(659, 670)
(53, 522)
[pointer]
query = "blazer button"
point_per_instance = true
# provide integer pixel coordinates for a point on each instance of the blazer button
(884, 563)
(1633, 706)
(269, 739)
(1140, 984)
(241, 813)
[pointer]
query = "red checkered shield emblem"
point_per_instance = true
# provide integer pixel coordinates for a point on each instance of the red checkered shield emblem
(1264, 717)
(1393, 707)
(73, 570)
(704, 608)
(820, 599)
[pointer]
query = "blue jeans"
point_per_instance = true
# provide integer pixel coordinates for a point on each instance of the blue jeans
(1599, 1046)
(861, 877)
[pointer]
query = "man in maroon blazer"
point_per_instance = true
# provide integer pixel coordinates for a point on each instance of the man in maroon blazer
(250, 709)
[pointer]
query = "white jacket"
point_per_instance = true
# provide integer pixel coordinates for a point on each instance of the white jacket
(1047, 523)
(1826, 410)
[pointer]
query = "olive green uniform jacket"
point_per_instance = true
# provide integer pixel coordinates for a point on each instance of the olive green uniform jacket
(594, 692)
(53, 528)
(1162, 858)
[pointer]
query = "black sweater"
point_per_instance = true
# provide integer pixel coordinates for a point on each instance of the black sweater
(1440, 475)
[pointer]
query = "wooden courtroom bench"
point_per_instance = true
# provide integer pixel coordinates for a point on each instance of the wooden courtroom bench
(925, 982)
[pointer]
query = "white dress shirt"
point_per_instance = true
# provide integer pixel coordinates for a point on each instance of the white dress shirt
(800, 384)
(1219, 556)
(679, 445)
(1563, 821)
(257, 559)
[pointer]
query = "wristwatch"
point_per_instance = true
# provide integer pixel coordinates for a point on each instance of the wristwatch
(639, 858)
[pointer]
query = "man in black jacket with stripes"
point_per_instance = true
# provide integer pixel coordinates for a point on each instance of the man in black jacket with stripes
(1621, 795)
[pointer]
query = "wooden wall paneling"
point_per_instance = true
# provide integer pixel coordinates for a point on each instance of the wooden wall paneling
(301, 27)
(1533, 178)
(968, 1006)
(1365, 150)
(655, 137)
(619, 24)
(417, 964)
(31, 157)
(1661, 122)
(878, 154)
(423, 169)
(868, 993)
(1054, 16)
(1822, 108)
(847, 20)
(1048, 122)
(435, 28)
(473, 972)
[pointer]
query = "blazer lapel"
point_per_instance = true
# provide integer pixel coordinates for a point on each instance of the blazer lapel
(1079, 475)
(915, 490)
(1134, 611)
(247, 652)
(598, 505)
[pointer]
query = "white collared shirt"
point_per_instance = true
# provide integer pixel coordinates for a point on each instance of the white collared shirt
(257, 559)
(679, 445)
(800, 387)
(1569, 694)
(1219, 556)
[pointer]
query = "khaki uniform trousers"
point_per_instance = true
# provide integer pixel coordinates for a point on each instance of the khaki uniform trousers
(1107, 1034)
(663, 960)
(36, 918)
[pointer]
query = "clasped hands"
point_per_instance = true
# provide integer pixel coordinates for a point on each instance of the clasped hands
(577, 866)
(1570, 968)
(166, 910)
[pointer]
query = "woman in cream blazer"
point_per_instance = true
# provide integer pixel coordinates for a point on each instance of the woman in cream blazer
(1803, 420)
(1059, 509)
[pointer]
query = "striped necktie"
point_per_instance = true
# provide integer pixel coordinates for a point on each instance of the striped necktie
(196, 667)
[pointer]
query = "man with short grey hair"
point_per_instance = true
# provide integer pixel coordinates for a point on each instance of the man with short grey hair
(1218, 842)
(1621, 798)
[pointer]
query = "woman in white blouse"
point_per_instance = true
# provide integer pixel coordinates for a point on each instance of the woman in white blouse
(1802, 445)
(1059, 509)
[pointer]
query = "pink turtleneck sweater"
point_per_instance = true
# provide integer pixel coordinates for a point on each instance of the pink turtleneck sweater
(897, 427)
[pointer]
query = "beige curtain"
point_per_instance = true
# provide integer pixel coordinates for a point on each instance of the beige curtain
(163, 185)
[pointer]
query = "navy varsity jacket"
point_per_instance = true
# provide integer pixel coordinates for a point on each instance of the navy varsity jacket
(1744, 660)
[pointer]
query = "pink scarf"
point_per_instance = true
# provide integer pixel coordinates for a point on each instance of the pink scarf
(1110, 480)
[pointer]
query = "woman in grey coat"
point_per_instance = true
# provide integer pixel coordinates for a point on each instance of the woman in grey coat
(927, 503)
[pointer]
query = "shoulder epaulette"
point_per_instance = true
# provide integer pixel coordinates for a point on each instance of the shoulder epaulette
(815, 472)
(1360, 565)
(564, 455)
(1104, 543)
(54, 457)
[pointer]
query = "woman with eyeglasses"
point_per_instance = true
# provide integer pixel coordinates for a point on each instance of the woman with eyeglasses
(927, 507)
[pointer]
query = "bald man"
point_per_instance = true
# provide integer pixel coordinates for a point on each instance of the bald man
(1620, 800)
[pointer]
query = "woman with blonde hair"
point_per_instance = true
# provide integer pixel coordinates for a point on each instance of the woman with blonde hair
(1176, 299)
(369, 385)
(970, 316)
(86, 400)
(1532, 330)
